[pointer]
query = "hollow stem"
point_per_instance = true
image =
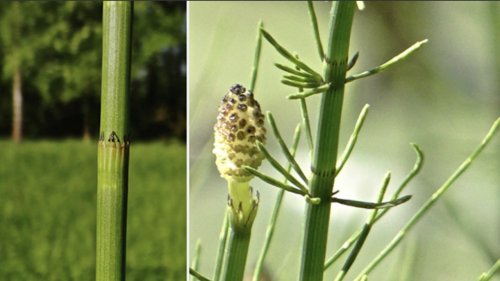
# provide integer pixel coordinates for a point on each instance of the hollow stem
(113, 148)
(236, 254)
(326, 148)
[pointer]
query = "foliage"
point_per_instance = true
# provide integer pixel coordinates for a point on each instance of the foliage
(58, 46)
(48, 215)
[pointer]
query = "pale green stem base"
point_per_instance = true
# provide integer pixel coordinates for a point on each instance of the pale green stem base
(112, 189)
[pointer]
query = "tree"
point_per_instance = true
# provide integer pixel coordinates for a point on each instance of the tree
(19, 46)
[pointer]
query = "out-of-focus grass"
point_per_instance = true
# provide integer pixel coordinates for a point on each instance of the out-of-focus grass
(47, 211)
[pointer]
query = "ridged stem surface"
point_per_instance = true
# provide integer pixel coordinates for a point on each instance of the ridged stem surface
(326, 148)
(113, 147)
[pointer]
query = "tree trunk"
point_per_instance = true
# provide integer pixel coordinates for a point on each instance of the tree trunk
(17, 107)
(86, 127)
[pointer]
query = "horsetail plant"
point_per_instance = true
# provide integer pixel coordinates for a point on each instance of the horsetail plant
(319, 191)
(239, 128)
(318, 188)
(114, 144)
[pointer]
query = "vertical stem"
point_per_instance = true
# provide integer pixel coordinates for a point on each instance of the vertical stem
(113, 148)
(242, 208)
(326, 148)
(219, 261)
(236, 253)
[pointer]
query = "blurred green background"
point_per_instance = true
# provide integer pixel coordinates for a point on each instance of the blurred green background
(48, 178)
(444, 98)
(48, 211)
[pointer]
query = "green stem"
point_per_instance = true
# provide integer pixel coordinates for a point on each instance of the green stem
(197, 275)
(272, 181)
(222, 246)
(196, 260)
(354, 237)
(307, 125)
(352, 140)
(236, 253)
(256, 60)
(242, 208)
(280, 168)
(406, 53)
(314, 23)
(308, 93)
(113, 148)
(364, 233)
(274, 216)
(431, 201)
(486, 276)
(285, 149)
(326, 148)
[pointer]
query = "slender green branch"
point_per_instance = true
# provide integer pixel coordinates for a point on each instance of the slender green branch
(347, 244)
(299, 79)
(298, 84)
(370, 205)
(219, 261)
(364, 233)
(305, 94)
(314, 23)
(274, 216)
(486, 276)
(280, 168)
(195, 264)
(298, 73)
(256, 60)
(406, 53)
(307, 124)
(431, 201)
(114, 145)
(273, 181)
(285, 150)
(305, 119)
(286, 54)
(326, 148)
(352, 139)
(198, 275)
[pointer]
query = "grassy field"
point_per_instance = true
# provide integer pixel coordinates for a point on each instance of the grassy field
(48, 211)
